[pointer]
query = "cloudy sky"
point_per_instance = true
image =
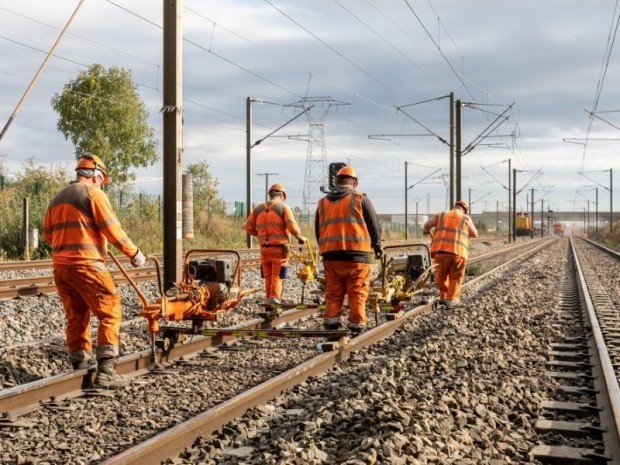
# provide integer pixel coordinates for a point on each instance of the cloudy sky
(364, 59)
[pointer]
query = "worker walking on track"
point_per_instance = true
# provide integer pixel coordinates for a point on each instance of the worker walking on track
(349, 233)
(450, 250)
(78, 224)
(272, 222)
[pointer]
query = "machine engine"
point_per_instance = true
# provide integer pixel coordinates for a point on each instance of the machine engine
(203, 290)
(410, 266)
(208, 288)
(401, 276)
(211, 270)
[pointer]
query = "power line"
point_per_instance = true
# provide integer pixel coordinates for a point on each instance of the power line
(340, 54)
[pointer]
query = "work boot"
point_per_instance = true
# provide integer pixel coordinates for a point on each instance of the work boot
(107, 377)
(82, 364)
(332, 326)
(443, 301)
(453, 303)
(356, 330)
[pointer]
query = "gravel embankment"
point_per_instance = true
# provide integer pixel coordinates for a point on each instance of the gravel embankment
(459, 386)
(40, 322)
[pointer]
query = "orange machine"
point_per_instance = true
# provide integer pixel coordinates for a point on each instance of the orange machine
(208, 287)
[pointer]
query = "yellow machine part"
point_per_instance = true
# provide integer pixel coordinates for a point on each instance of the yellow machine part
(306, 273)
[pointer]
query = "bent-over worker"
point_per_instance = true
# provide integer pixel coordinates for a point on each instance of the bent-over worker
(78, 224)
(450, 250)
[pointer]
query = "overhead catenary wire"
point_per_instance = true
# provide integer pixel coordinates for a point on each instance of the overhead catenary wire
(351, 118)
(611, 39)
(333, 49)
(192, 42)
(41, 68)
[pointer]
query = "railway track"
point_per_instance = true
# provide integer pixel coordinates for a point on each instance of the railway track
(143, 275)
(44, 285)
(58, 393)
(579, 422)
(17, 265)
(9, 399)
(580, 426)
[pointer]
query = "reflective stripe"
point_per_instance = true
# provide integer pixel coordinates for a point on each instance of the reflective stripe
(346, 238)
(78, 224)
(71, 224)
(272, 223)
(78, 247)
(342, 226)
(451, 233)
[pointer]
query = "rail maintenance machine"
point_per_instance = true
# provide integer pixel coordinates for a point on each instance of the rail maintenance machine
(401, 277)
(210, 287)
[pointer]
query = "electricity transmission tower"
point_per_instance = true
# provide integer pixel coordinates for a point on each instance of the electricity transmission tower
(316, 158)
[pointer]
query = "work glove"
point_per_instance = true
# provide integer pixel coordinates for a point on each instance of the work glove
(302, 240)
(379, 253)
(426, 233)
(138, 260)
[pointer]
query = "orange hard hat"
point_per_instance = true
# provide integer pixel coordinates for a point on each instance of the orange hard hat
(347, 171)
(277, 187)
(93, 162)
(462, 204)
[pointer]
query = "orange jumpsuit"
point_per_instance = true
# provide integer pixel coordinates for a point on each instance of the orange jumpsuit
(348, 231)
(450, 250)
(272, 222)
(78, 224)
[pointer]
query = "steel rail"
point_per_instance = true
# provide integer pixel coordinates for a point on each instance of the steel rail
(611, 394)
(23, 398)
(602, 247)
(20, 399)
(44, 285)
(176, 439)
(512, 248)
(38, 285)
(18, 265)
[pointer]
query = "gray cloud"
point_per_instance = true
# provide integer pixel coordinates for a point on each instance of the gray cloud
(546, 57)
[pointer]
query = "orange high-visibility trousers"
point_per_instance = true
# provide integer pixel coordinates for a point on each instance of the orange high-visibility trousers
(85, 290)
(449, 274)
(348, 278)
(272, 260)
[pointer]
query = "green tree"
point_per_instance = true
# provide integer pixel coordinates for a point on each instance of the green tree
(204, 185)
(39, 184)
(37, 181)
(101, 112)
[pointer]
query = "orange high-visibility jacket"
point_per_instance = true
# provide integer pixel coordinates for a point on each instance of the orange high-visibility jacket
(78, 224)
(272, 222)
(341, 224)
(451, 233)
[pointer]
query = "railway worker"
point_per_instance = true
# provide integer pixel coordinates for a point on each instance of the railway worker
(449, 249)
(349, 233)
(78, 224)
(271, 222)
